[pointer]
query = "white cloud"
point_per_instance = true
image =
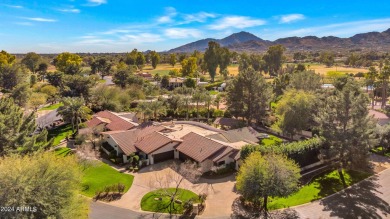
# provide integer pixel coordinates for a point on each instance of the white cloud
(179, 33)
(170, 13)
(200, 17)
(93, 3)
(238, 22)
(39, 19)
(141, 38)
(288, 18)
(14, 6)
(70, 10)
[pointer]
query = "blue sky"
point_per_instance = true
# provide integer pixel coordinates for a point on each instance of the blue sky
(119, 26)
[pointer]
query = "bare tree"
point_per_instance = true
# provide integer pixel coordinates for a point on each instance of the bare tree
(169, 184)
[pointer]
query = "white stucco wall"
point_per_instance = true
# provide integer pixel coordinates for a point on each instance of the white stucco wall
(113, 144)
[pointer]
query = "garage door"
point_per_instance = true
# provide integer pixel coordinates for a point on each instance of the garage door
(169, 155)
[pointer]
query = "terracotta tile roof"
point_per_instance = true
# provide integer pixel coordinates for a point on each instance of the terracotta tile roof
(236, 155)
(125, 140)
(222, 153)
(152, 142)
(116, 122)
(95, 121)
(199, 147)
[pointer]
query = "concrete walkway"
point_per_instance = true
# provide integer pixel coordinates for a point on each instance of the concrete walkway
(220, 192)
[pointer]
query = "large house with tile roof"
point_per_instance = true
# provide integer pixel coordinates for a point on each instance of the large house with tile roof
(111, 121)
(157, 142)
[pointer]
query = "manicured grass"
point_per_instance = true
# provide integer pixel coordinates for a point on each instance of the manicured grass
(59, 133)
(149, 204)
(321, 186)
(213, 92)
(272, 140)
(63, 152)
(99, 175)
(51, 107)
(379, 150)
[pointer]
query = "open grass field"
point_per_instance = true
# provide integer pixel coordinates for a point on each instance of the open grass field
(321, 186)
(99, 175)
(161, 69)
(272, 140)
(148, 203)
(323, 70)
(51, 107)
(59, 133)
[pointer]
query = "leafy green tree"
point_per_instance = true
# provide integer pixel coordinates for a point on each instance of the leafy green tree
(175, 102)
(305, 80)
(101, 66)
(198, 97)
(165, 81)
(174, 72)
(42, 70)
(158, 108)
(16, 131)
(79, 86)
(33, 80)
(327, 58)
(257, 62)
(299, 56)
(223, 59)
(74, 111)
(56, 78)
(21, 94)
(6, 58)
(32, 61)
(300, 67)
(189, 82)
(244, 62)
(155, 59)
(11, 76)
(140, 61)
(186, 95)
(51, 92)
(131, 58)
(68, 63)
(344, 123)
(249, 95)
(211, 58)
(109, 98)
(264, 176)
(122, 76)
(188, 67)
(371, 76)
(280, 84)
(295, 111)
(172, 59)
(36, 100)
(48, 183)
(383, 77)
(273, 59)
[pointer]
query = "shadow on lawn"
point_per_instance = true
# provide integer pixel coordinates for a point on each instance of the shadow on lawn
(358, 201)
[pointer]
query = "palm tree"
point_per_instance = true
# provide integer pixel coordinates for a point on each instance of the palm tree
(198, 97)
(142, 107)
(74, 111)
(175, 101)
(371, 76)
(186, 93)
(158, 108)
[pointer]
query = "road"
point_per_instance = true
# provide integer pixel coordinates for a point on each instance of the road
(48, 119)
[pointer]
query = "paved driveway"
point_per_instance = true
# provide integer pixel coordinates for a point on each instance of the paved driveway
(220, 192)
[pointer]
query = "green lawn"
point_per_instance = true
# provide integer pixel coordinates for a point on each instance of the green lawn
(321, 186)
(51, 107)
(63, 152)
(272, 140)
(149, 204)
(99, 175)
(213, 92)
(59, 133)
(379, 150)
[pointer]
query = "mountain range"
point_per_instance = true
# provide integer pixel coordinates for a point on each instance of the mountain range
(248, 42)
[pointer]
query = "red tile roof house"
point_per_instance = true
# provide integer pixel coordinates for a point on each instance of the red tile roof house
(158, 142)
(113, 121)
